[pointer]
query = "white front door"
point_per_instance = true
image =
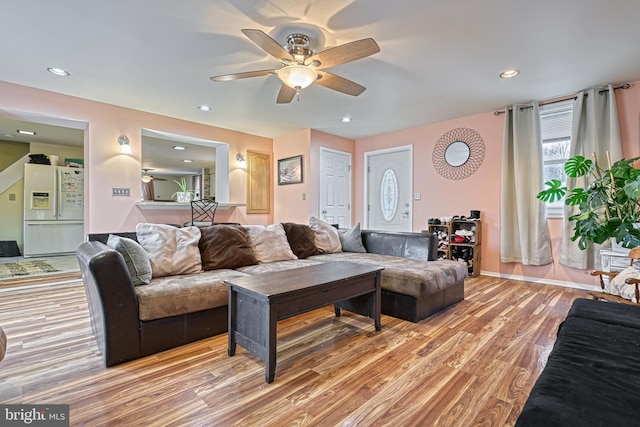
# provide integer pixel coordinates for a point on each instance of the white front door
(335, 187)
(389, 178)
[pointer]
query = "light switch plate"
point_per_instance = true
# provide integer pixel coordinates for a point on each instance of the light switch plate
(417, 196)
(121, 191)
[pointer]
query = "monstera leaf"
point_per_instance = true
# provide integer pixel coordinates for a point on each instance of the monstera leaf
(578, 166)
(556, 191)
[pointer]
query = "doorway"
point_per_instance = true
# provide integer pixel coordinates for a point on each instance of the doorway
(388, 189)
(335, 187)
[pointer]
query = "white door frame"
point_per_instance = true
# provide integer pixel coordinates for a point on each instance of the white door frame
(368, 154)
(349, 182)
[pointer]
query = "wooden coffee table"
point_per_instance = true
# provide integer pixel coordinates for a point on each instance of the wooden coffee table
(256, 303)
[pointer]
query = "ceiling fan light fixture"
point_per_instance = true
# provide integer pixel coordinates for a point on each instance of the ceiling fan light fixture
(297, 76)
(146, 178)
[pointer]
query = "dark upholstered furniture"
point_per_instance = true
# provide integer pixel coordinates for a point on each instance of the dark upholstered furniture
(122, 335)
(420, 246)
(113, 306)
(592, 377)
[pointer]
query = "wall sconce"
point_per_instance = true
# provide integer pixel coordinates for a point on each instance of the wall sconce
(125, 148)
(241, 161)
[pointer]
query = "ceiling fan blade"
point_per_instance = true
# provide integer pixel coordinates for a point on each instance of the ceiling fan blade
(338, 83)
(245, 75)
(271, 46)
(286, 94)
(342, 54)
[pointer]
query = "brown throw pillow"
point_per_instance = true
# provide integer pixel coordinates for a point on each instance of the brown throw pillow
(301, 239)
(225, 246)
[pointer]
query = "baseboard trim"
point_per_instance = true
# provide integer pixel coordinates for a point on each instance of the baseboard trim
(542, 281)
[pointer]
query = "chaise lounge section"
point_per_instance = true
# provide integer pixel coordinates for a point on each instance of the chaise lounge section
(134, 321)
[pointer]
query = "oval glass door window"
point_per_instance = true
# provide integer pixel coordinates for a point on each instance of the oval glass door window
(389, 195)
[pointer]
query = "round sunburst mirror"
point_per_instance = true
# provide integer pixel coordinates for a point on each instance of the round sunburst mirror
(458, 153)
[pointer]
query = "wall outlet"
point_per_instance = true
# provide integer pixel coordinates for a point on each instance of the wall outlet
(12, 197)
(121, 191)
(417, 196)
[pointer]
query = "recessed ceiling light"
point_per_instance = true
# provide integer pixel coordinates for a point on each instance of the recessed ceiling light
(346, 120)
(204, 108)
(509, 74)
(179, 147)
(187, 161)
(26, 132)
(58, 71)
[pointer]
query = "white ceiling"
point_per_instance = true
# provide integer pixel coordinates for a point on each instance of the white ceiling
(438, 60)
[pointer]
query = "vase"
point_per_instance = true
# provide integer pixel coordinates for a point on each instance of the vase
(183, 197)
(617, 247)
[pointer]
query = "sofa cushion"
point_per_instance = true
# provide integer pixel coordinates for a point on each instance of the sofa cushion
(326, 236)
(351, 240)
(171, 250)
(269, 243)
(277, 266)
(301, 239)
(225, 246)
(135, 258)
(175, 295)
(406, 276)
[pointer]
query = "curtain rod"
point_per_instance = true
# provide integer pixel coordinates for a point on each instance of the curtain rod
(623, 86)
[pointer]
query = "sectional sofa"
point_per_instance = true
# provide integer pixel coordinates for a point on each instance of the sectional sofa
(133, 319)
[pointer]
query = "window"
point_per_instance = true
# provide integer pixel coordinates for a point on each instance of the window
(555, 123)
(389, 195)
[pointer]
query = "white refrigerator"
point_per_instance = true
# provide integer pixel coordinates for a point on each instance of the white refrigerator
(53, 209)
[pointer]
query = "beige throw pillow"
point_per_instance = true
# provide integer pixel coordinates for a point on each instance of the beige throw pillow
(270, 243)
(171, 250)
(326, 236)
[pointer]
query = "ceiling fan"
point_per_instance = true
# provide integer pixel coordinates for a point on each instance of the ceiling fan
(301, 66)
(146, 178)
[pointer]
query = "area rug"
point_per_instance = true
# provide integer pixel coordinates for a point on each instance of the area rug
(25, 268)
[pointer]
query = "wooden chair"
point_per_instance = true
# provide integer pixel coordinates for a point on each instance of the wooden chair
(634, 256)
(202, 212)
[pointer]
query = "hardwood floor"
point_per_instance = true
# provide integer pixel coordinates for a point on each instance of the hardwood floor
(472, 364)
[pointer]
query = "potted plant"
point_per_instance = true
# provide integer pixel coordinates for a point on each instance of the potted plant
(608, 204)
(184, 195)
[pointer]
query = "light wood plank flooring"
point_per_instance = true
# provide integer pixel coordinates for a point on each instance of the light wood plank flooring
(472, 364)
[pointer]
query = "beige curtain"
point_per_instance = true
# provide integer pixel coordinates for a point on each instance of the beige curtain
(524, 235)
(595, 129)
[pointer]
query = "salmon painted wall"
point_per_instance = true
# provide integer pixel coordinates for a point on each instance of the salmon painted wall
(298, 202)
(107, 168)
(292, 202)
(481, 191)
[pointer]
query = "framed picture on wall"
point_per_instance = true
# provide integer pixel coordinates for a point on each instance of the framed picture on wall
(290, 170)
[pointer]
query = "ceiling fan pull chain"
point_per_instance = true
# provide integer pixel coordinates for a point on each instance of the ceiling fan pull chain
(298, 93)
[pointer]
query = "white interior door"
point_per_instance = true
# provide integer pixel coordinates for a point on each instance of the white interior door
(389, 186)
(335, 187)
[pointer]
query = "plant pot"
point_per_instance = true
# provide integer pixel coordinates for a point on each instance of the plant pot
(617, 247)
(184, 197)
